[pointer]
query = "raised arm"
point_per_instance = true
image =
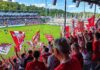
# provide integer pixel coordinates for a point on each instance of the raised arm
(11, 62)
(2, 58)
(17, 54)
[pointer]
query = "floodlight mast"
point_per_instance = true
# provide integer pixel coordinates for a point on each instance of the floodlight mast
(65, 18)
(95, 10)
(65, 13)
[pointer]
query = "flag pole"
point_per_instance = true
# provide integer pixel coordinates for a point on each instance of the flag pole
(65, 18)
(95, 10)
(84, 11)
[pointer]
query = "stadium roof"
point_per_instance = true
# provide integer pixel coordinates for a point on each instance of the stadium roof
(97, 2)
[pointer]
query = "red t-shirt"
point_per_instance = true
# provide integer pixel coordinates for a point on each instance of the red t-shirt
(70, 65)
(78, 57)
(36, 65)
(96, 50)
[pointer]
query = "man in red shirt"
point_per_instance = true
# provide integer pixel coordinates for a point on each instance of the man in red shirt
(96, 51)
(75, 53)
(36, 64)
(61, 51)
(45, 55)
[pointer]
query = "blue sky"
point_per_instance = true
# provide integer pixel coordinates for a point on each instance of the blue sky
(71, 7)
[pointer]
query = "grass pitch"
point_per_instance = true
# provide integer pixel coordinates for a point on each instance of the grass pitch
(5, 36)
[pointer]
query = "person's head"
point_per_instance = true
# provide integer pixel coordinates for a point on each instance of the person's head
(0, 62)
(15, 60)
(30, 52)
(62, 48)
(49, 42)
(36, 54)
(97, 35)
(23, 55)
(46, 50)
(74, 47)
(44, 47)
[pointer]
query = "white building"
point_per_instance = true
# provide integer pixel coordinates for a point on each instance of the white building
(9, 0)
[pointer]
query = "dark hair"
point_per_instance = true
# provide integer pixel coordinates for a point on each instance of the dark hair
(62, 45)
(23, 55)
(97, 35)
(46, 49)
(36, 54)
(14, 60)
(49, 42)
(30, 52)
(76, 46)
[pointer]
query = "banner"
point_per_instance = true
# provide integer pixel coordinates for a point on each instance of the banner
(49, 37)
(5, 48)
(18, 37)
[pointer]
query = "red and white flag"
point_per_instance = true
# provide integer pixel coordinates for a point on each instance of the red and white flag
(36, 37)
(49, 37)
(30, 43)
(4, 48)
(18, 37)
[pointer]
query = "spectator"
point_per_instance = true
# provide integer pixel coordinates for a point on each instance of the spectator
(29, 58)
(86, 57)
(61, 51)
(1, 65)
(52, 62)
(45, 55)
(15, 64)
(75, 53)
(96, 51)
(36, 64)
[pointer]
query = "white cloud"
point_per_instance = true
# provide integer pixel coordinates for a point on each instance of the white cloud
(48, 6)
(71, 6)
(39, 5)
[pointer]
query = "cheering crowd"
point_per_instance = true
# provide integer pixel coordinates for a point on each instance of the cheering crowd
(76, 52)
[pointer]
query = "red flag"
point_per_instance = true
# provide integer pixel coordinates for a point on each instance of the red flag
(67, 28)
(88, 27)
(36, 37)
(18, 37)
(91, 21)
(49, 37)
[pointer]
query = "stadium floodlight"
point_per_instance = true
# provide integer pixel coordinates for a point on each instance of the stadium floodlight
(54, 2)
(78, 3)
